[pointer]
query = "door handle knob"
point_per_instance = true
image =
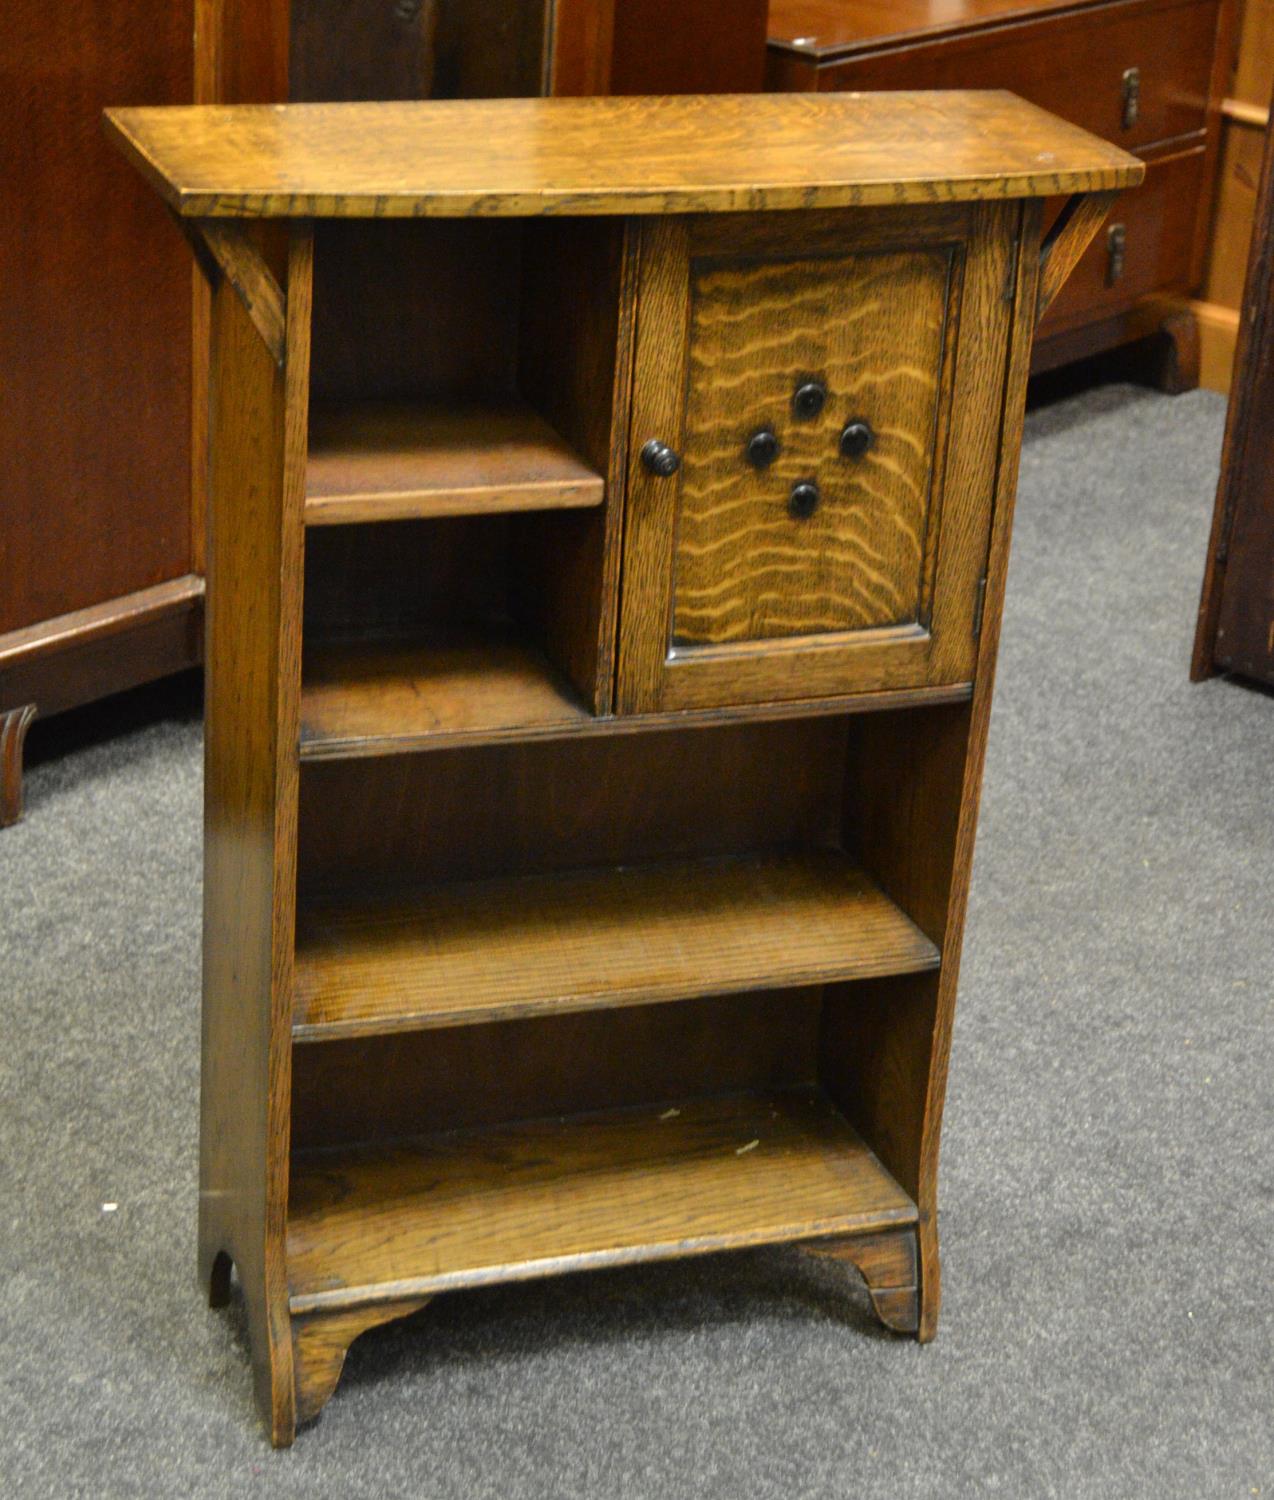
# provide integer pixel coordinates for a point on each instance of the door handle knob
(660, 459)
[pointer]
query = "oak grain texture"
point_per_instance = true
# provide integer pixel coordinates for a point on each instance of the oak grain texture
(955, 464)
(593, 939)
(512, 157)
(250, 789)
(617, 918)
(540, 1197)
(871, 327)
(392, 461)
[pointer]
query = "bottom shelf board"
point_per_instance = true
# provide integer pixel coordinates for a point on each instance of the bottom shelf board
(539, 1197)
(592, 939)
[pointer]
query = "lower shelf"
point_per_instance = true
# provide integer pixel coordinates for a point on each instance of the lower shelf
(588, 940)
(535, 1198)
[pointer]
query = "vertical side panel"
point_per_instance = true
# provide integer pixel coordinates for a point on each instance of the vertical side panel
(650, 503)
(255, 541)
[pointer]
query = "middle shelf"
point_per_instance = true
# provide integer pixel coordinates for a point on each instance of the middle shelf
(488, 950)
(396, 460)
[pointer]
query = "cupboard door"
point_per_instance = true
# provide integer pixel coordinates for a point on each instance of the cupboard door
(829, 389)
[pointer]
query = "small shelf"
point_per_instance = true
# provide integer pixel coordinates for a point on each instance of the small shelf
(393, 461)
(532, 1199)
(590, 940)
(378, 697)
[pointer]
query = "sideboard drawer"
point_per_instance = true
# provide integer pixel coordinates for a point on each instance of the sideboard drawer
(801, 517)
(1147, 245)
(1075, 65)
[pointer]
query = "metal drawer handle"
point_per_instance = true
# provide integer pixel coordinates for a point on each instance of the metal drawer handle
(1132, 97)
(1116, 239)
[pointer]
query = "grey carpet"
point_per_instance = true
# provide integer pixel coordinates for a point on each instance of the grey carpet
(1108, 1181)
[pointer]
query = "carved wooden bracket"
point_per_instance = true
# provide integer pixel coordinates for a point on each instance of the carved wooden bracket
(224, 247)
(1066, 241)
(887, 1262)
(320, 1342)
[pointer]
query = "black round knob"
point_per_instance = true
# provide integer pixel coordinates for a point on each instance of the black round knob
(660, 459)
(803, 501)
(856, 437)
(762, 449)
(809, 400)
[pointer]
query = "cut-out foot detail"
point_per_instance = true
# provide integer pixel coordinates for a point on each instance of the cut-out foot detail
(888, 1264)
(14, 723)
(215, 1278)
(320, 1342)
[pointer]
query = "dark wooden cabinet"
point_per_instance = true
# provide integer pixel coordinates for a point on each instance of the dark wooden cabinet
(1236, 612)
(100, 543)
(1146, 74)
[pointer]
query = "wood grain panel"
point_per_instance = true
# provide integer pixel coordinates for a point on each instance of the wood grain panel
(594, 1190)
(937, 647)
(595, 939)
(871, 328)
(512, 157)
(250, 791)
(95, 333)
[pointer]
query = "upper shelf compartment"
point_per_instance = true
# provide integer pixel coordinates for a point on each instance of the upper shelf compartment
(394, 461)
(490, 158)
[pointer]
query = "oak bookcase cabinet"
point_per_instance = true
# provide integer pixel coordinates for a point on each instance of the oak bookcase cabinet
(609, 513)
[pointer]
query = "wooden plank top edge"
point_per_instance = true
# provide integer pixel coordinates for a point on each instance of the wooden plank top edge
(524, 157)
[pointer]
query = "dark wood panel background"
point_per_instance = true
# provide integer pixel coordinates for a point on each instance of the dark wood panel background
(95, 334)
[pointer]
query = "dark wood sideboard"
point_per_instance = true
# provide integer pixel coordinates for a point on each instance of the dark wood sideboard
(1236, 612)
(100, 533)
(101, 527)
(1146, 74)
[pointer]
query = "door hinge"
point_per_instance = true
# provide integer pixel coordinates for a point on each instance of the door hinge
(979, 605)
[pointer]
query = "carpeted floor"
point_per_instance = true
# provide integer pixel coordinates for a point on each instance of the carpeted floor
(1108, 1222)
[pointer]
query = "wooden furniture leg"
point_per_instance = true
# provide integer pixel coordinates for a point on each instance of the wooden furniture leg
(14, 723)
(320, 1342)
(1175, 362)
(888, 1264)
